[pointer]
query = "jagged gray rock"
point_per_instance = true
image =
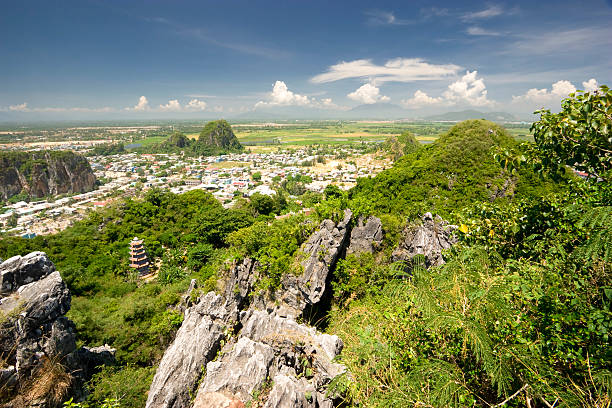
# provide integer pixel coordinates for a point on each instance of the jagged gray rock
(21, 270)
(321, 252)
(240, 280)
(241, 371)
(196, 343)
(365, 236)
(290, 392)
(33, 327)
(269, 346)
(430, 238)
(263, 342)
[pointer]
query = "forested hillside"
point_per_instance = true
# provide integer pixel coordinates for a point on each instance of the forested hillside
(516, 313)
(217, 137)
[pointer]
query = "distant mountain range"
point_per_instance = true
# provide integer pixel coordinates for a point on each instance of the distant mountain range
(473, 114)
(376, 111)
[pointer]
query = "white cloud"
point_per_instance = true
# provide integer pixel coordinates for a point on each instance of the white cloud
(394, 70)
(481, 31)
(421, 99)
(380, 17)
(491, 11)
(282, 96)
(196, 105)
(23, 107)
(142, 105)
(559, 90)
(469, 90)
(581, 40)
(368, 94)
(590, 85)
(172, 106)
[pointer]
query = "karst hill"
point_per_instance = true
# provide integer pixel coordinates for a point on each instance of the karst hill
(40, 174)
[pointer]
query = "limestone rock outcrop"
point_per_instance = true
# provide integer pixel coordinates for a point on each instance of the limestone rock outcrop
(41, 174)
(33, 327)
(320, 254)
(365, 236)
(241, 347)
(429, 239)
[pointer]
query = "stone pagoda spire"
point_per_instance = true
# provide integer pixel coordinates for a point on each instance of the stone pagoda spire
(138, 257)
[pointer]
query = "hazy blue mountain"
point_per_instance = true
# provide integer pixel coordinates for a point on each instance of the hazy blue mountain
(473, 114)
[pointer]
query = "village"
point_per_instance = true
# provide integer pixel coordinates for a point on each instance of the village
(226, 177)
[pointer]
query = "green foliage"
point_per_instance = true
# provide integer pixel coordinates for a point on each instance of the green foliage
(124, 386)
(401, 145)
(451, 173)
(580, 135)
(274, 245)
(108, 149)
(262, 203)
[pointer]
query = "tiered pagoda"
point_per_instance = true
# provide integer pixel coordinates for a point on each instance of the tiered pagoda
(138, 256)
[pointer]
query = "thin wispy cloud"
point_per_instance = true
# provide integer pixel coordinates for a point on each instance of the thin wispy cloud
(490, 11)
(479, 31)
(556, 42)
(25, 108)
(198, 95)
(205, 36)
(394, 70)
(384, 18)
(431, 12)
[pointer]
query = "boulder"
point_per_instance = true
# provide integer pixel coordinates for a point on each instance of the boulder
(33, 327)
(21, 270)
(429, 239)
(365, 236)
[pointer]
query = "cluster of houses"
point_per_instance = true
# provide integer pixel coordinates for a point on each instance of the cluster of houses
(225, 176)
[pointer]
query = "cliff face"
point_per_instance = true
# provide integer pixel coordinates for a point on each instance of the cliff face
(40, 174)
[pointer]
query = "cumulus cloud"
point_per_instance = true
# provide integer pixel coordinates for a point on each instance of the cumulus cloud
(368, 94)
(469, 90)
(195, 105)
(22, 107)
(142, 105)
(282, 96)
(421, 99)
(590, 85)
(394, 70)
(172, 106)
(559, 90)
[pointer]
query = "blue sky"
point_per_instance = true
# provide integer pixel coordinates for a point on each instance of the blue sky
(106, 59)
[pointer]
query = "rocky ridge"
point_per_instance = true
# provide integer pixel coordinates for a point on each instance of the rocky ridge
(432, 236)
(34, 332)
(243, 347)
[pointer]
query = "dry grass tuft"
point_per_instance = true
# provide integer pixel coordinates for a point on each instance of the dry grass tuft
(50, 382)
